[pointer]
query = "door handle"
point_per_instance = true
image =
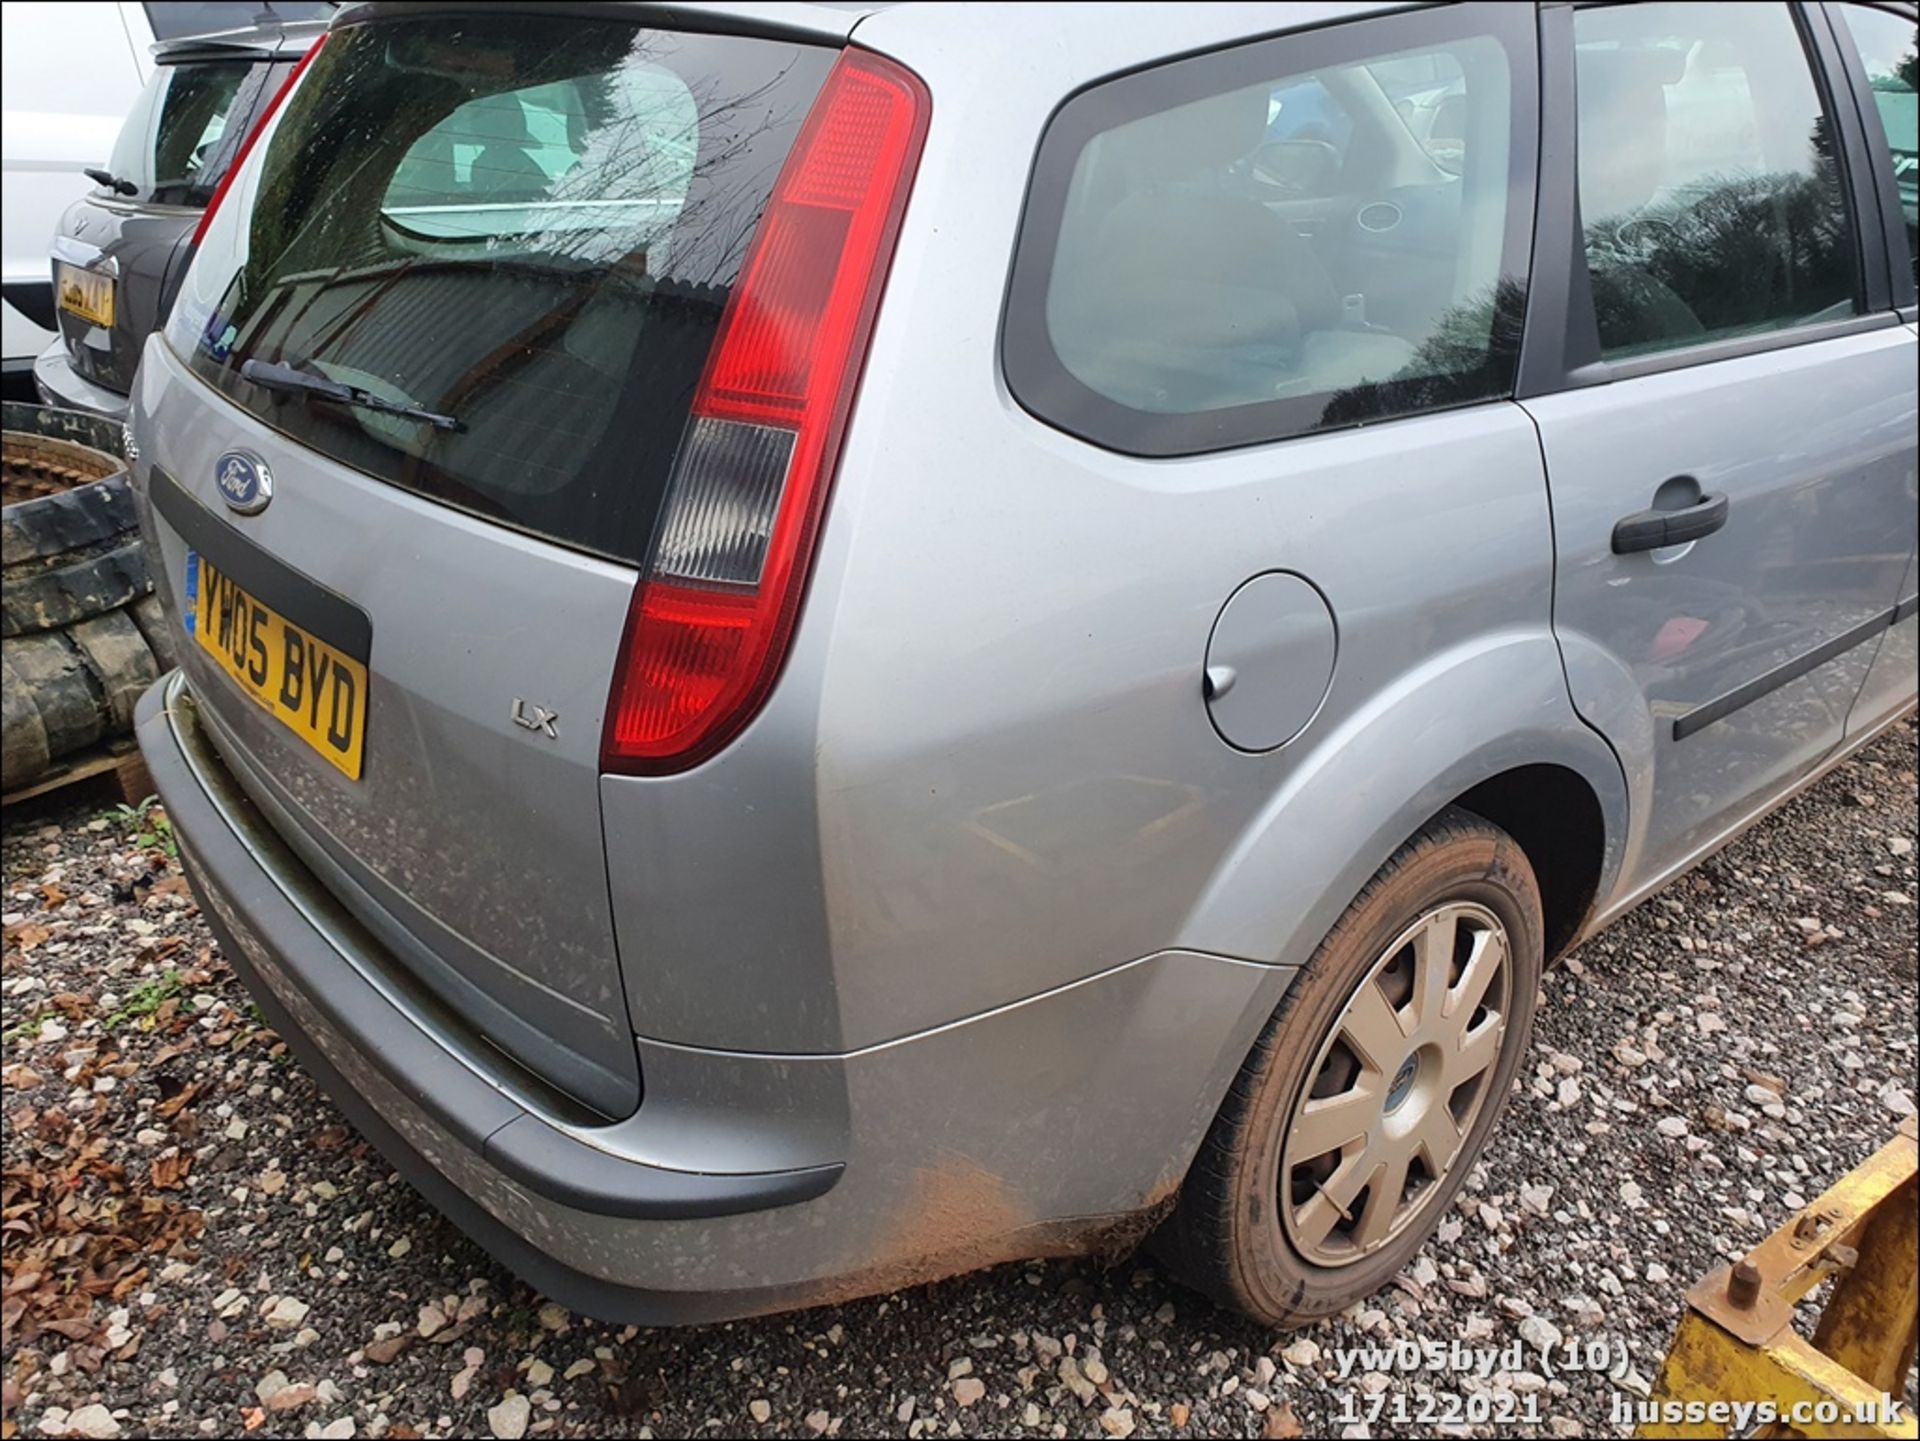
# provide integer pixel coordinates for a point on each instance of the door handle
(1652, 529)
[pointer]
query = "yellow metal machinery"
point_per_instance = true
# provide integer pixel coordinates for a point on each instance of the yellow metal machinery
(1736, 1341)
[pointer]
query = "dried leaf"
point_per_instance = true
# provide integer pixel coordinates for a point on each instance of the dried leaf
(382, 1353)
(632, 1397)
(127, 1283)
(73, 1006)
(171, 1107)
(1281, 1424)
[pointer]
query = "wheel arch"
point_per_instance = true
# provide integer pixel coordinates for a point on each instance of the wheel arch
(1554, 814)
(1489, 728)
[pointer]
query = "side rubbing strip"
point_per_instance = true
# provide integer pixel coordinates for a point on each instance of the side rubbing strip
(1721, 707)
(305, 602)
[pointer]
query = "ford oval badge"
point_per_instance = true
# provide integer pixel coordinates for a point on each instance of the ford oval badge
(246, 485)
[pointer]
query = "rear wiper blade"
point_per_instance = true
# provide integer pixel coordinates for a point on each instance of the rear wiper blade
(286, 379)
(110, 180)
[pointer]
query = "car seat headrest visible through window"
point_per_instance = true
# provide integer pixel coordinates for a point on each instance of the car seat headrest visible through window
(1195, 138)
(1623, 131)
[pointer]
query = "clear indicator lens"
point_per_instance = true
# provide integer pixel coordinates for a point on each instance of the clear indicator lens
(723, 502)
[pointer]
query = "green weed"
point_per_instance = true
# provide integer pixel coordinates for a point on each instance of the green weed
(148, 821)
(145, 999)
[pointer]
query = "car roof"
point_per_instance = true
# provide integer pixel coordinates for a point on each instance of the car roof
(276, 40)
(1053, 45)
(1133, 33)
(815, 19)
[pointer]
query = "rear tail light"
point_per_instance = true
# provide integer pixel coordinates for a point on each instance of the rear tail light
(712, 614)
(246, 145)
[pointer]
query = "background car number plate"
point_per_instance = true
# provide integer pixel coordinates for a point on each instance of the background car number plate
(86, 294)
(317, 691)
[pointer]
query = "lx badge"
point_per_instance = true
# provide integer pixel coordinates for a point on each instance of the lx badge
(534, 717)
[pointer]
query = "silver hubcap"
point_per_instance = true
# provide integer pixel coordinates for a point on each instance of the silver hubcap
(1397, 1086)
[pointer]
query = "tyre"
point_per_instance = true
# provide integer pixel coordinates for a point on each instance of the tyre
(65, 484)
(49, 522)
(1373, 1088)
(83, 632)
(43, 597)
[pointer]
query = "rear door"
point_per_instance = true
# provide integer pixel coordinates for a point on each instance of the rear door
(1730, 441)
(118, 253)
(504, 240)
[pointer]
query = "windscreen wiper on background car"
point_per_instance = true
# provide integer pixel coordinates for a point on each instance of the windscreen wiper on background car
(286, 379)
(110, 180)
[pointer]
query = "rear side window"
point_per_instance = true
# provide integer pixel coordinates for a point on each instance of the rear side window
(171, 144)
(1320, 230)
(1886, 44)
(526, 223)
(1711, 198)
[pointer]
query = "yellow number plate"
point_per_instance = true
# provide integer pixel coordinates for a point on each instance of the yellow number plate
(318, 692)
(87, 294)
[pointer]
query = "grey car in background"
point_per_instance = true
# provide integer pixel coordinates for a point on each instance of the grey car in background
(120, 252)
(827, 645)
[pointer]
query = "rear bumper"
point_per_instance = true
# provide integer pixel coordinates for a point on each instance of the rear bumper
(59, 384)
(432, 1117)
(1029, 1130)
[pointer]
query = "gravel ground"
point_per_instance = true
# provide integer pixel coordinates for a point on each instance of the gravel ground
(197, 1244)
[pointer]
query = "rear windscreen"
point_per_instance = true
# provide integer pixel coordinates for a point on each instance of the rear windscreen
(522, 226)
(176, 140)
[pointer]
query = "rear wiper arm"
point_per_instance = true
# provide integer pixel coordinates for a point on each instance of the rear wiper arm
(286, 379)
(110, 180)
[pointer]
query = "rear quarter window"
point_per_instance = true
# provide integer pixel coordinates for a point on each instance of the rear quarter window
(529, 223)
(1324, 229)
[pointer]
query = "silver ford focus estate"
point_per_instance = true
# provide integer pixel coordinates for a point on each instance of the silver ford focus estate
(828, 644)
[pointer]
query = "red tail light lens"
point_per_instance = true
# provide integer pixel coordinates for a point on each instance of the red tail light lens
(712, 615)
(246, 145)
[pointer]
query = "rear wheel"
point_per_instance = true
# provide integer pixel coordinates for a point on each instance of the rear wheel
(1361, 1108)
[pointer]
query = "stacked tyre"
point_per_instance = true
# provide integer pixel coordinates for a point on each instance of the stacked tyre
(83, 636)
